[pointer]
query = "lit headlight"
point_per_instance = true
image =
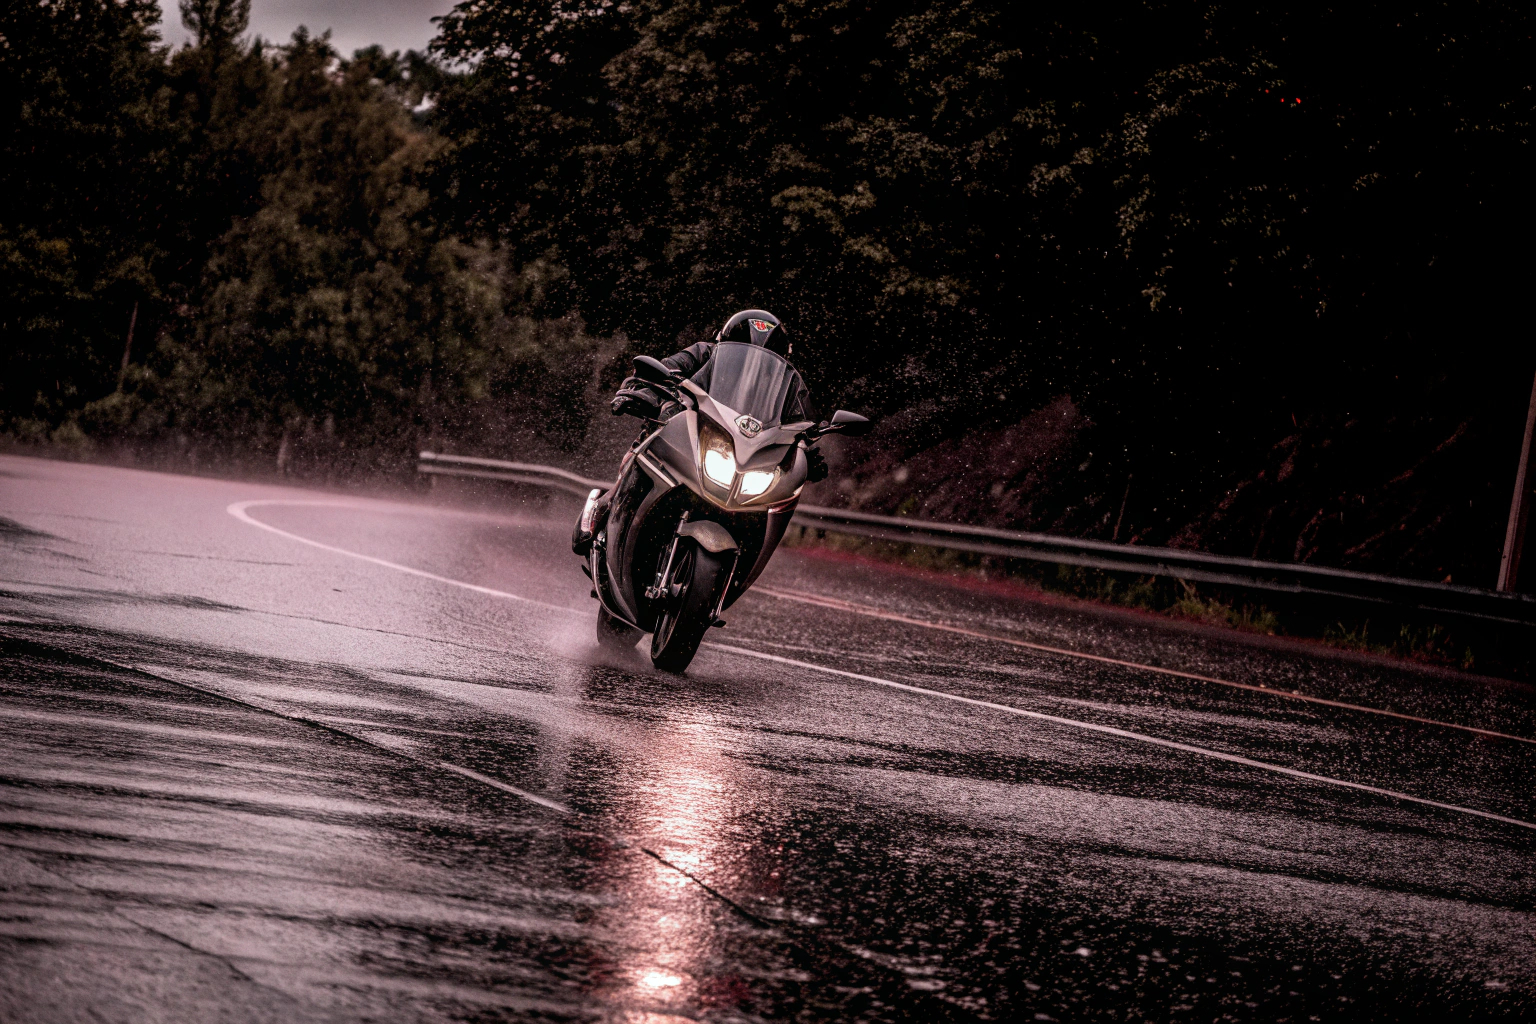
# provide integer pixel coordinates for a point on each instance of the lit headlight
(719, 455)
(756, 482)
(720, 466)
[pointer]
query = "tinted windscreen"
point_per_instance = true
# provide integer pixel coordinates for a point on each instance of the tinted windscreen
(749, 379)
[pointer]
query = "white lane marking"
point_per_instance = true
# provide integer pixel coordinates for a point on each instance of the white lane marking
(880, 613)
(542, 801)
(407, 750)
(1110, 730)
(380, 740)
(238, 508)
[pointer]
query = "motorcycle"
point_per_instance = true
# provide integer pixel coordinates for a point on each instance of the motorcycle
(701, 501)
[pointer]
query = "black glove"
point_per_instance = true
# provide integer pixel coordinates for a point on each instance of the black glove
(635, 399)
(816, 465)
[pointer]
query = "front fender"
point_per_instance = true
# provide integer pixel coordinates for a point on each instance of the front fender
(712, 537)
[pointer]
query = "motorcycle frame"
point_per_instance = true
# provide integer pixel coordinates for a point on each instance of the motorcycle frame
(670, 458)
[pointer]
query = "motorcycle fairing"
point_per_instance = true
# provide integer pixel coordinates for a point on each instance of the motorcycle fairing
(663, 478)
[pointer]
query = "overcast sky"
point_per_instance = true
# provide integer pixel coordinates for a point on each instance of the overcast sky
(393, 24)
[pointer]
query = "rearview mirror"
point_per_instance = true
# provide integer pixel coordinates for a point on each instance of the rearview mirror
(850, 423)
(654, 371)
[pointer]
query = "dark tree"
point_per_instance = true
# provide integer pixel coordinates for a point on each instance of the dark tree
(1245, 242)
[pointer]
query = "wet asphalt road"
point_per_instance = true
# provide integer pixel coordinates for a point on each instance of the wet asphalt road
(318, 757)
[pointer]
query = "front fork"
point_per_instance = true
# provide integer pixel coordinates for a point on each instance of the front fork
(662, 589)
(715, 619)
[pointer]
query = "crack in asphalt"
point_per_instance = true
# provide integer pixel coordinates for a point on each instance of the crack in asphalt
(809, 942)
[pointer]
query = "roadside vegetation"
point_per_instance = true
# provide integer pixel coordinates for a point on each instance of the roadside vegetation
(1245, 280)
(223, 255)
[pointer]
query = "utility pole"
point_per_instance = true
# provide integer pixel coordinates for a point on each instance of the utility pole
(1125, 500)
(1519, 508)
(133, 318)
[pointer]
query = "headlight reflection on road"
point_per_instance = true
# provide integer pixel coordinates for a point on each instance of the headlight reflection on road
(680, 812)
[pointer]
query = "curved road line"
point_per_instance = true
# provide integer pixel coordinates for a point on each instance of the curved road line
(880, 613)
(238, 510)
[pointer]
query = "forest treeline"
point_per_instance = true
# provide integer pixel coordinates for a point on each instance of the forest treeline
(257, 218)
(1250, 280)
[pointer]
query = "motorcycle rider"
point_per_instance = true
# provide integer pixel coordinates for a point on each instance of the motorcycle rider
(749, 327)
(637, 398)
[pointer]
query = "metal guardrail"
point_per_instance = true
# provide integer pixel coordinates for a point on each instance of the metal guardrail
(516, 472)
(1437, 599)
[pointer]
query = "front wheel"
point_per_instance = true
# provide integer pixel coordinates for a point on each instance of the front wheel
(695, 579)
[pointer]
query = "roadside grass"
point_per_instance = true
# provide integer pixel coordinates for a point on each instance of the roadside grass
(1252, 618)
(1418, 642)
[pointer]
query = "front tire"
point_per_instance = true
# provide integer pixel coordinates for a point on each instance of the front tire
(681, 626)
(615, 634)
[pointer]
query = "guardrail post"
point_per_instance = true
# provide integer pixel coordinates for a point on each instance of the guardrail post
(1519, 508)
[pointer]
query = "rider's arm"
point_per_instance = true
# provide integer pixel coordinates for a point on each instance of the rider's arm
(797, 405)
(688, 361)
(637, 398)
(798, 409)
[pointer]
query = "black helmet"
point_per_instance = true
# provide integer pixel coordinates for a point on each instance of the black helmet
(756, 327)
